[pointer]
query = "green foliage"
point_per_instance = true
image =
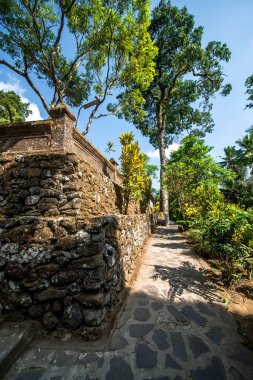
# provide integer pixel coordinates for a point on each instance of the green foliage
(246, 149)
(110, 41)
(31, 37)
(12, 108)
(152, 170)
(187, 76)
(240, 161)
(194, 179)
(226, 234)
(249, 91)
(220, 230)
(137, 185)
(185, 73)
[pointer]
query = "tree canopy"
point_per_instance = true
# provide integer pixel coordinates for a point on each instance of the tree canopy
(249, 91)
(108, 46)
(187, 76)
(12, 108)
(194, 179)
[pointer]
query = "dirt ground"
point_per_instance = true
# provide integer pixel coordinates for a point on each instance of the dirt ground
(239, 301)
(240, 304)
(238, 298)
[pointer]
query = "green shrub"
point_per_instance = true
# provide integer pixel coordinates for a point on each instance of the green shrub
(226, 235)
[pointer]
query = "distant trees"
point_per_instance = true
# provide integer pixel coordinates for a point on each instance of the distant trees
(240, 160)
(246, 148)
(249, 91)
(186, 77)
(12, 108)
(110, 147)
(107, 46)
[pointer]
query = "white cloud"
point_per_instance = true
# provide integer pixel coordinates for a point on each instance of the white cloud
(155, 153)
(35, 115)
(14, 85)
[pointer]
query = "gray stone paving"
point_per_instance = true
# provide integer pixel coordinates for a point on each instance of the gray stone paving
(173, 326)
(13, 342)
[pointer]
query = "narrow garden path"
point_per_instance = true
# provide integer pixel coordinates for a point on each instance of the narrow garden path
(173, 326)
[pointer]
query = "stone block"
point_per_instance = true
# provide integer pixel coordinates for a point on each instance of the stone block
(63, 278)
(93, 317)
(50, 321)
(72, 317)
(50, 294)
(90, 299)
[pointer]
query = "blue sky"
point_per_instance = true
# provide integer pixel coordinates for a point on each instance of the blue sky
(228, 21)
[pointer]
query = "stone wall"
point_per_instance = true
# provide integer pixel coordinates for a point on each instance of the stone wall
(55, 184)
(63, 261)
(68, 272)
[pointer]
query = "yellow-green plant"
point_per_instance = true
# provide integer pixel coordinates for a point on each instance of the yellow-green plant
(133, 167)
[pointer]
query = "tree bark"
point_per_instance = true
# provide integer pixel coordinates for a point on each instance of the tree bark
(9, 112)
(164, 199)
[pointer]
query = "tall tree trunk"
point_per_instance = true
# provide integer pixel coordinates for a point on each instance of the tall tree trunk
(164, 199)
(9, 112)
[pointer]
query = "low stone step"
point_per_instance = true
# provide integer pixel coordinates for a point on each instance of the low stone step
(14, 340)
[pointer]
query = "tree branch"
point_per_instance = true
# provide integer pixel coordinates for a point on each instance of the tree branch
(3, 62)
(63, 14)
(28, 79)
(26, 76)
(37, 92)
(57, 40)
(70, 6)
(104, 115)
(170, 89)
(93, 113)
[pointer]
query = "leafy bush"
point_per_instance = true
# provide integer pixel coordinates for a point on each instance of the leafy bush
(197, 187)
(226, 234)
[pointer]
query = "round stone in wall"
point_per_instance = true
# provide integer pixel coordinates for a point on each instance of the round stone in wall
(50, 321)
(72, 317)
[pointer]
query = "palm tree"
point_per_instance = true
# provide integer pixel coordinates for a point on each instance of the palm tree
(110, 147)
(246, 145)
(231, 160)
(235, 189)
(250, 129)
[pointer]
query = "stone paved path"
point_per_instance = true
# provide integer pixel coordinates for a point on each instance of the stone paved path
(173, 326)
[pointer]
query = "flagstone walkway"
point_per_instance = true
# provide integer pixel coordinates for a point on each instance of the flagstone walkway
(173, 326)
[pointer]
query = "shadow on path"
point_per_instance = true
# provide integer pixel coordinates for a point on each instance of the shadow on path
(186, 277)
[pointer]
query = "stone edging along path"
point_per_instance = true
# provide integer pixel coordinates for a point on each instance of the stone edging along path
(173, 326)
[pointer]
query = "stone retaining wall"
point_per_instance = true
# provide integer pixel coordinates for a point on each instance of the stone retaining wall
(68, 271)
(63, 261)
(55, 184)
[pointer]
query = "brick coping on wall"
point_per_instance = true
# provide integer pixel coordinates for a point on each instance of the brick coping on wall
(54, 135)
